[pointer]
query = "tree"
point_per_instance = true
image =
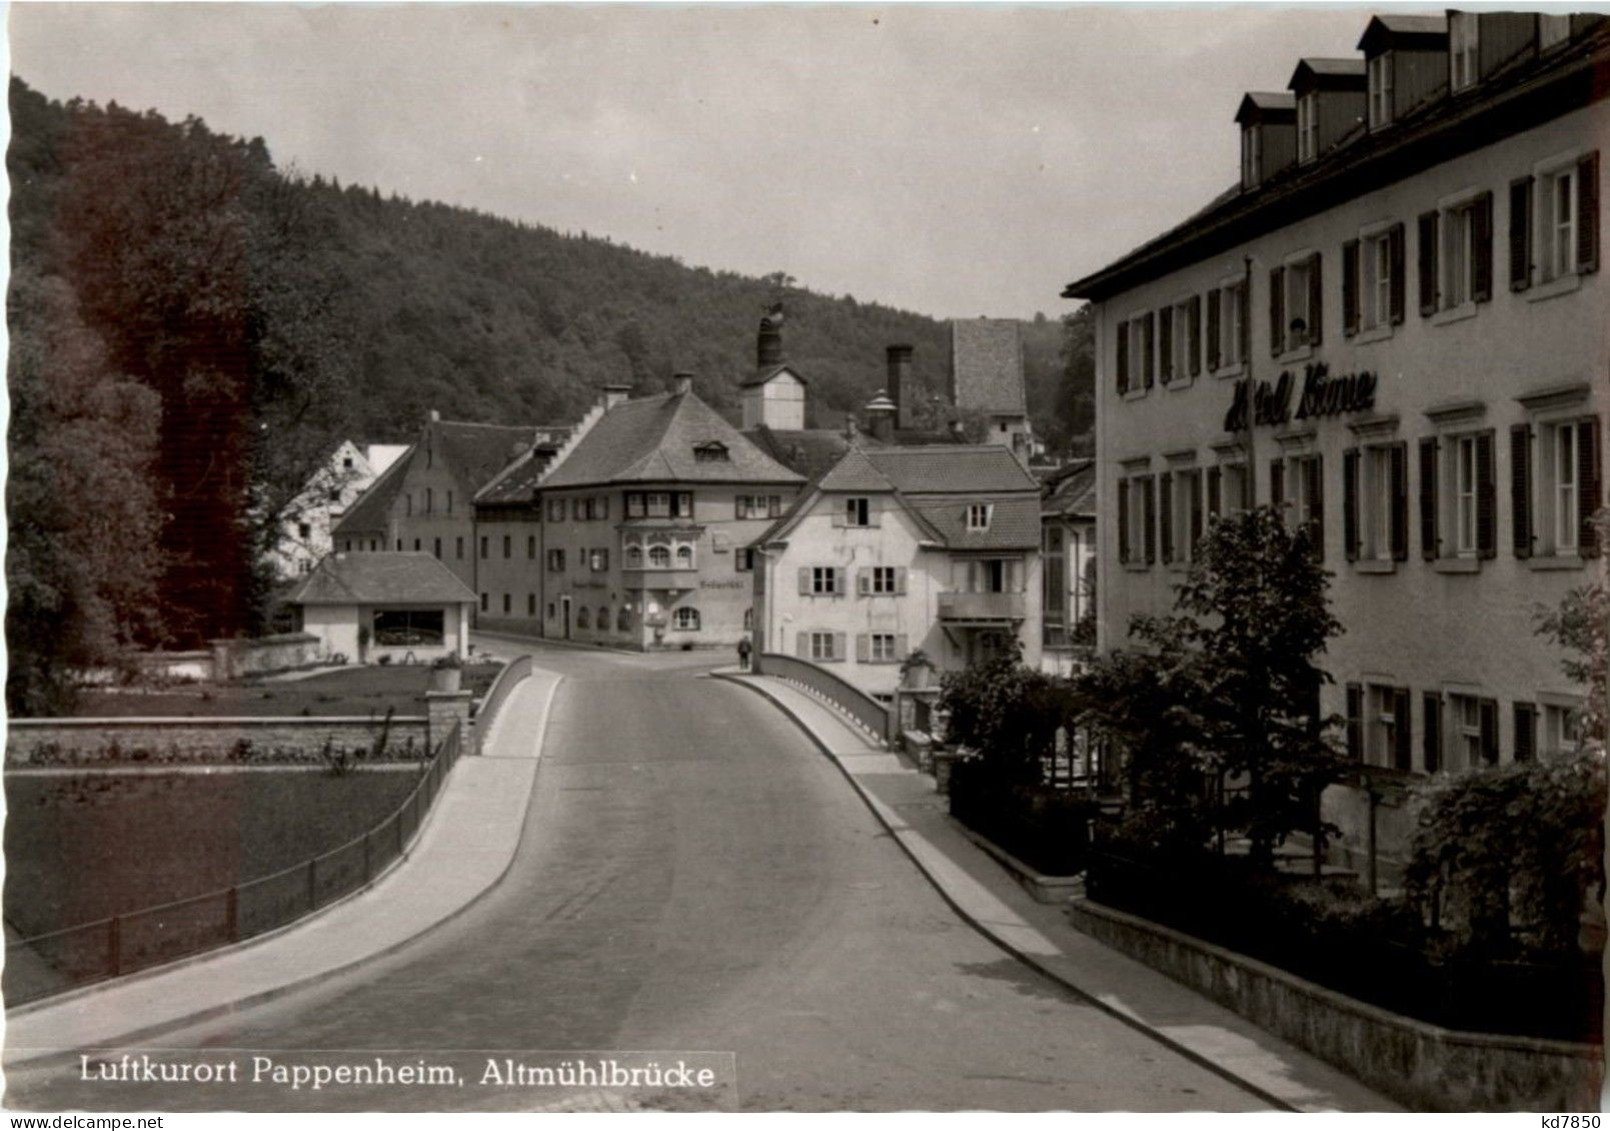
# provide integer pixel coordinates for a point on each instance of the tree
(1238, 660)
(83, 511)
(1008, 713)
(1581, 625)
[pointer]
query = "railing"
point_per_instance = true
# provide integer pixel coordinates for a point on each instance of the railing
(860, 706)
(62, 960)
(981, 606)
(513, 673)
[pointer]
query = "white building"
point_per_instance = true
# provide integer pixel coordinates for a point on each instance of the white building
(306, 524)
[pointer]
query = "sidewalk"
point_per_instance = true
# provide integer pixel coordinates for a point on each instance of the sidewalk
(984, 894)
(466, 846)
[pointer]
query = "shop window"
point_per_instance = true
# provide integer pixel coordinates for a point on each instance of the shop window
(603, 618)
(408, 628)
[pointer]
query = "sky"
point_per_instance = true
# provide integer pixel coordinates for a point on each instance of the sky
(955, 160)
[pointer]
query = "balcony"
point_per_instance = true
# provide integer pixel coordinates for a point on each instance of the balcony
(984, 609)
(659, 579)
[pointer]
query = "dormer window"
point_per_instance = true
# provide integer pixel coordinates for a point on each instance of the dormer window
(1380, 90)
(1462, 49)
(713, 451)
(1251, 156)
(978, 516)
(1308, 127)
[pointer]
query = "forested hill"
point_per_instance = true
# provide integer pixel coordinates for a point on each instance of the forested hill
(489, 319)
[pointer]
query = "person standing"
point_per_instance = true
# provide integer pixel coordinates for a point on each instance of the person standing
(744, 648)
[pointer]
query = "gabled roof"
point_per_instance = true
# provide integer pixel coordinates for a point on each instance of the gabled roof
(1267, 105)
(653, 440)
(966, 469)
(1331, 74)
(517, 482)
(1014, 523)
(1414, 32)
(381, 578)
(986, 365)
(809, 451)
(1070, 490)
(369, 511)
(762, 376)
(477, 452)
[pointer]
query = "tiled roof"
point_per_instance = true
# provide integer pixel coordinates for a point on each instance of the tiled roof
(1423, 25)
(986, 359)
(1071, 490)
(855, 472)
(1014, 523)
(381, 578)
(370, 510)
(517, 482)
(809, 451)
(952, 468)
(477, 452)
(652, 440)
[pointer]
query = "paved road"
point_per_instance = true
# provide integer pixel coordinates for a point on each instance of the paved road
(694, 876)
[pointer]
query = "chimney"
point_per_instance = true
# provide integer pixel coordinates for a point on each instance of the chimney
(769, 342)
(682, 384)
(900, 389)
(880, 414)
(615, 394)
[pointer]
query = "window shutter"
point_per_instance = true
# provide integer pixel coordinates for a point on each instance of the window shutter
(874, 512)
(1397, 265)
(1214, 486)
(1349, 288)
(1213, 329)
(1429, 549)
(1431, 735)
(1403, 729)
(1489, 731)
(1277, 311)
(841, 580)
(1149, 332)
(1520, 489)
(805, 580)
(1587, 491)
(1428, 263)
(1277, 483)
(1399, 463)
(1123, 520)
(1149, 514)
(1525, 732)
(1166, 507)
(1194, 485)
(1165, 344)
(1350, 503)
(841, 513)
(802, 645)
(1195, 342)
(863, 581)
(1481, 239)
(1123, 358)
(1244, 289)
(901, 648)
(1314, 484)
(1486, 498)
(900, 580)
(1316, 299)
(838, 646)
(1520, 234)
(738, 506)
(1587, 213)
(863, 647)
(1355, 722)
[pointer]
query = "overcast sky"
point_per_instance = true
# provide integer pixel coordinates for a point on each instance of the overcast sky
(956, 160)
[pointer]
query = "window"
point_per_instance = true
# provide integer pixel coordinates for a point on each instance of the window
(743, 560)
(634, 556)
(990, 575)
(1464, 460)
(436, 547)
(1182, 340)
(657, 504)
(508, 547)
(1136, 349)
(346, 462)
(598, 560)
(623, 620)
(1566, 237)
(1375, 512)
(408, 503)
(749, 618)
(1473, 732)
(1226, 325)
(1251, 156)
(458, 547)
(485, 552)
(1380, 84)
(304, 530)
(1554, 516)
(1226, 489)
(1462, 57)
(530, 604)
(857, 512)
(685, 620)
(635, 507)
(430, 500)
(1456, 254)
(485, 601)
(1181, 505)
(1459, 257)
(1299, 319)
(531, 547)
(879, 580)
(823, 580)
(1388, 741)
(556, 510)
(978, 515)
(1307, 127)
(1137, 516)
(684, 557)
(584, 617)
(1562, 729)
(1297, 484)
(408, 628)
(603, 618)
(449, 502)
(714, 451)
(659, 557)
(1372, 281)
(1295, 304)
(507, 599)
(759, 506)
(556, 561)
(416, 545)
(822, 647)
(879, 648)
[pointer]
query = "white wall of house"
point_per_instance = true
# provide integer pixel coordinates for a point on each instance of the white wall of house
(336, 626)
(339, 629)
(779, 403)
(305, 529)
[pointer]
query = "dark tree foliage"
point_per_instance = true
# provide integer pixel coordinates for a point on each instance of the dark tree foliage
(1008, 713)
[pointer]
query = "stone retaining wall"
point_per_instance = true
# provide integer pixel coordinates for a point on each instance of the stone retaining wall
(1421, 1065)
(157, 741)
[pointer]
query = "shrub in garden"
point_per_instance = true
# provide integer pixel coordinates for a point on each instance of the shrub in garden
(1008, 713)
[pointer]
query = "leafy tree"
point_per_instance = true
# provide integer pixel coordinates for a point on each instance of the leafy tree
(82, 509)
(1237, 658)
(1581, 625)
(1008, 713)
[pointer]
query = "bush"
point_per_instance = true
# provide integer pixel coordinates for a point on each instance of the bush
(1046, 828)
(1009, 714)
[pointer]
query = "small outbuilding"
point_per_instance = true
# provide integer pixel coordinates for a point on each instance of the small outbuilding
(408, 606)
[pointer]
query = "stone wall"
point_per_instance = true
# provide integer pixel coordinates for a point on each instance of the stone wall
(232, 659)
(1425, 1067)
(190, 741)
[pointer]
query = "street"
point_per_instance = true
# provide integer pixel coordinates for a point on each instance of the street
(695, 875)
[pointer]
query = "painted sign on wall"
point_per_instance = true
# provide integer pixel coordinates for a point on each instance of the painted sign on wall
(1322, 395)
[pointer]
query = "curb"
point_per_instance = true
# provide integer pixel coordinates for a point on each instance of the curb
(574, 645)
(276, 992)
(1130, 1019)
